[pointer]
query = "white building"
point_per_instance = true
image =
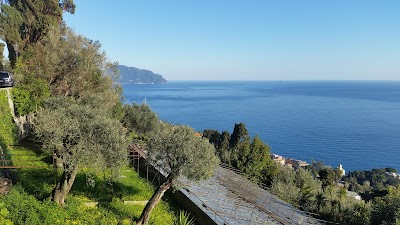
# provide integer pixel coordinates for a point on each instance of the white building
(343, 172)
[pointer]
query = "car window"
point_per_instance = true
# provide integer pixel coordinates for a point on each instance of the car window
(4, 75)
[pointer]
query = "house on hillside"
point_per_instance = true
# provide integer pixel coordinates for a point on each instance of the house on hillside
(279, 159)
(296, 163)
(395, 175)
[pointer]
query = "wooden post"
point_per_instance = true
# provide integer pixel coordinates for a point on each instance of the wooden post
(147, 173)
(138, 160)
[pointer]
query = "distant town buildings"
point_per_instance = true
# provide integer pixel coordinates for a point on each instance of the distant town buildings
(292, 163)
(279, 159)
(395, 175)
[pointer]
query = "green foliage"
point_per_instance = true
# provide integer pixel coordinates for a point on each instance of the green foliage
(184, 219)
(79, 134)
(213, 136)
(177, 151)
(36, 182)
(284, 186)
(18, 207)
(327, 176)
(300, 187)
(10, 22)
(101, 187)
(8, 129)
(254, 157)
(371, 182)
(24, 203)
(162, 215)
(29, 96)
(25, 22)
(2, 66)
(139, 119)
(118, 111)
(385, 209)
(221, 143)
(309, 189)
(223, 147)
(250, 157)
(72, 65)
(357, 213)
(239, 134)
(4, 215)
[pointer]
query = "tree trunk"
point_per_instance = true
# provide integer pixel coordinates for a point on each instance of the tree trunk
(154, 200)
(63, 187)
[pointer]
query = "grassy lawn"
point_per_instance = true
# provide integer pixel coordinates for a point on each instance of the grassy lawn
(28, 202)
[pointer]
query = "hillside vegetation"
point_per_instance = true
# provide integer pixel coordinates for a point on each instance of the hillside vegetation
(317, 188)
(28, 201)
(74, 149)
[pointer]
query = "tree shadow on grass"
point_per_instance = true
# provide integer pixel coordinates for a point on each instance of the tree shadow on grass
(29, 143)
(133, 212)
(155, 182)
(125, 211)
(40, 178)
(37, 181)
(103, 189)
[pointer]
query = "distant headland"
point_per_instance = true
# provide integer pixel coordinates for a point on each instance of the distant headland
(133, 75)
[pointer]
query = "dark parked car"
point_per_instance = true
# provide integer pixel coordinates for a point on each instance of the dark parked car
(6, 79)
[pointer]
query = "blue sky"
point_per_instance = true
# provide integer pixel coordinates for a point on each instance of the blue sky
(248, 40)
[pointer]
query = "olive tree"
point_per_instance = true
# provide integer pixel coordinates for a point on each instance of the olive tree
(139, 119)
(175, 151)
(79, 135)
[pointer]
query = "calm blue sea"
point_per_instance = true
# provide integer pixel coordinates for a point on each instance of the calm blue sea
(355, 123)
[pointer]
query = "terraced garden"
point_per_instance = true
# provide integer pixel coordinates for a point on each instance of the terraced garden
(28, 201)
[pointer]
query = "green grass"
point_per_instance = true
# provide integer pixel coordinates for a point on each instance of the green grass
(7, 126)
(28, 202)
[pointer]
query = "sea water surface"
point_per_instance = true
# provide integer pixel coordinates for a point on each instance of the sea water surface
(354, 123)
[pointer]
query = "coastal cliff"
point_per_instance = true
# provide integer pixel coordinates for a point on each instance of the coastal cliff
(133, 75)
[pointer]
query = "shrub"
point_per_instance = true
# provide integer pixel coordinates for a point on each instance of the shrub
(4, 218)
(29, 96)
